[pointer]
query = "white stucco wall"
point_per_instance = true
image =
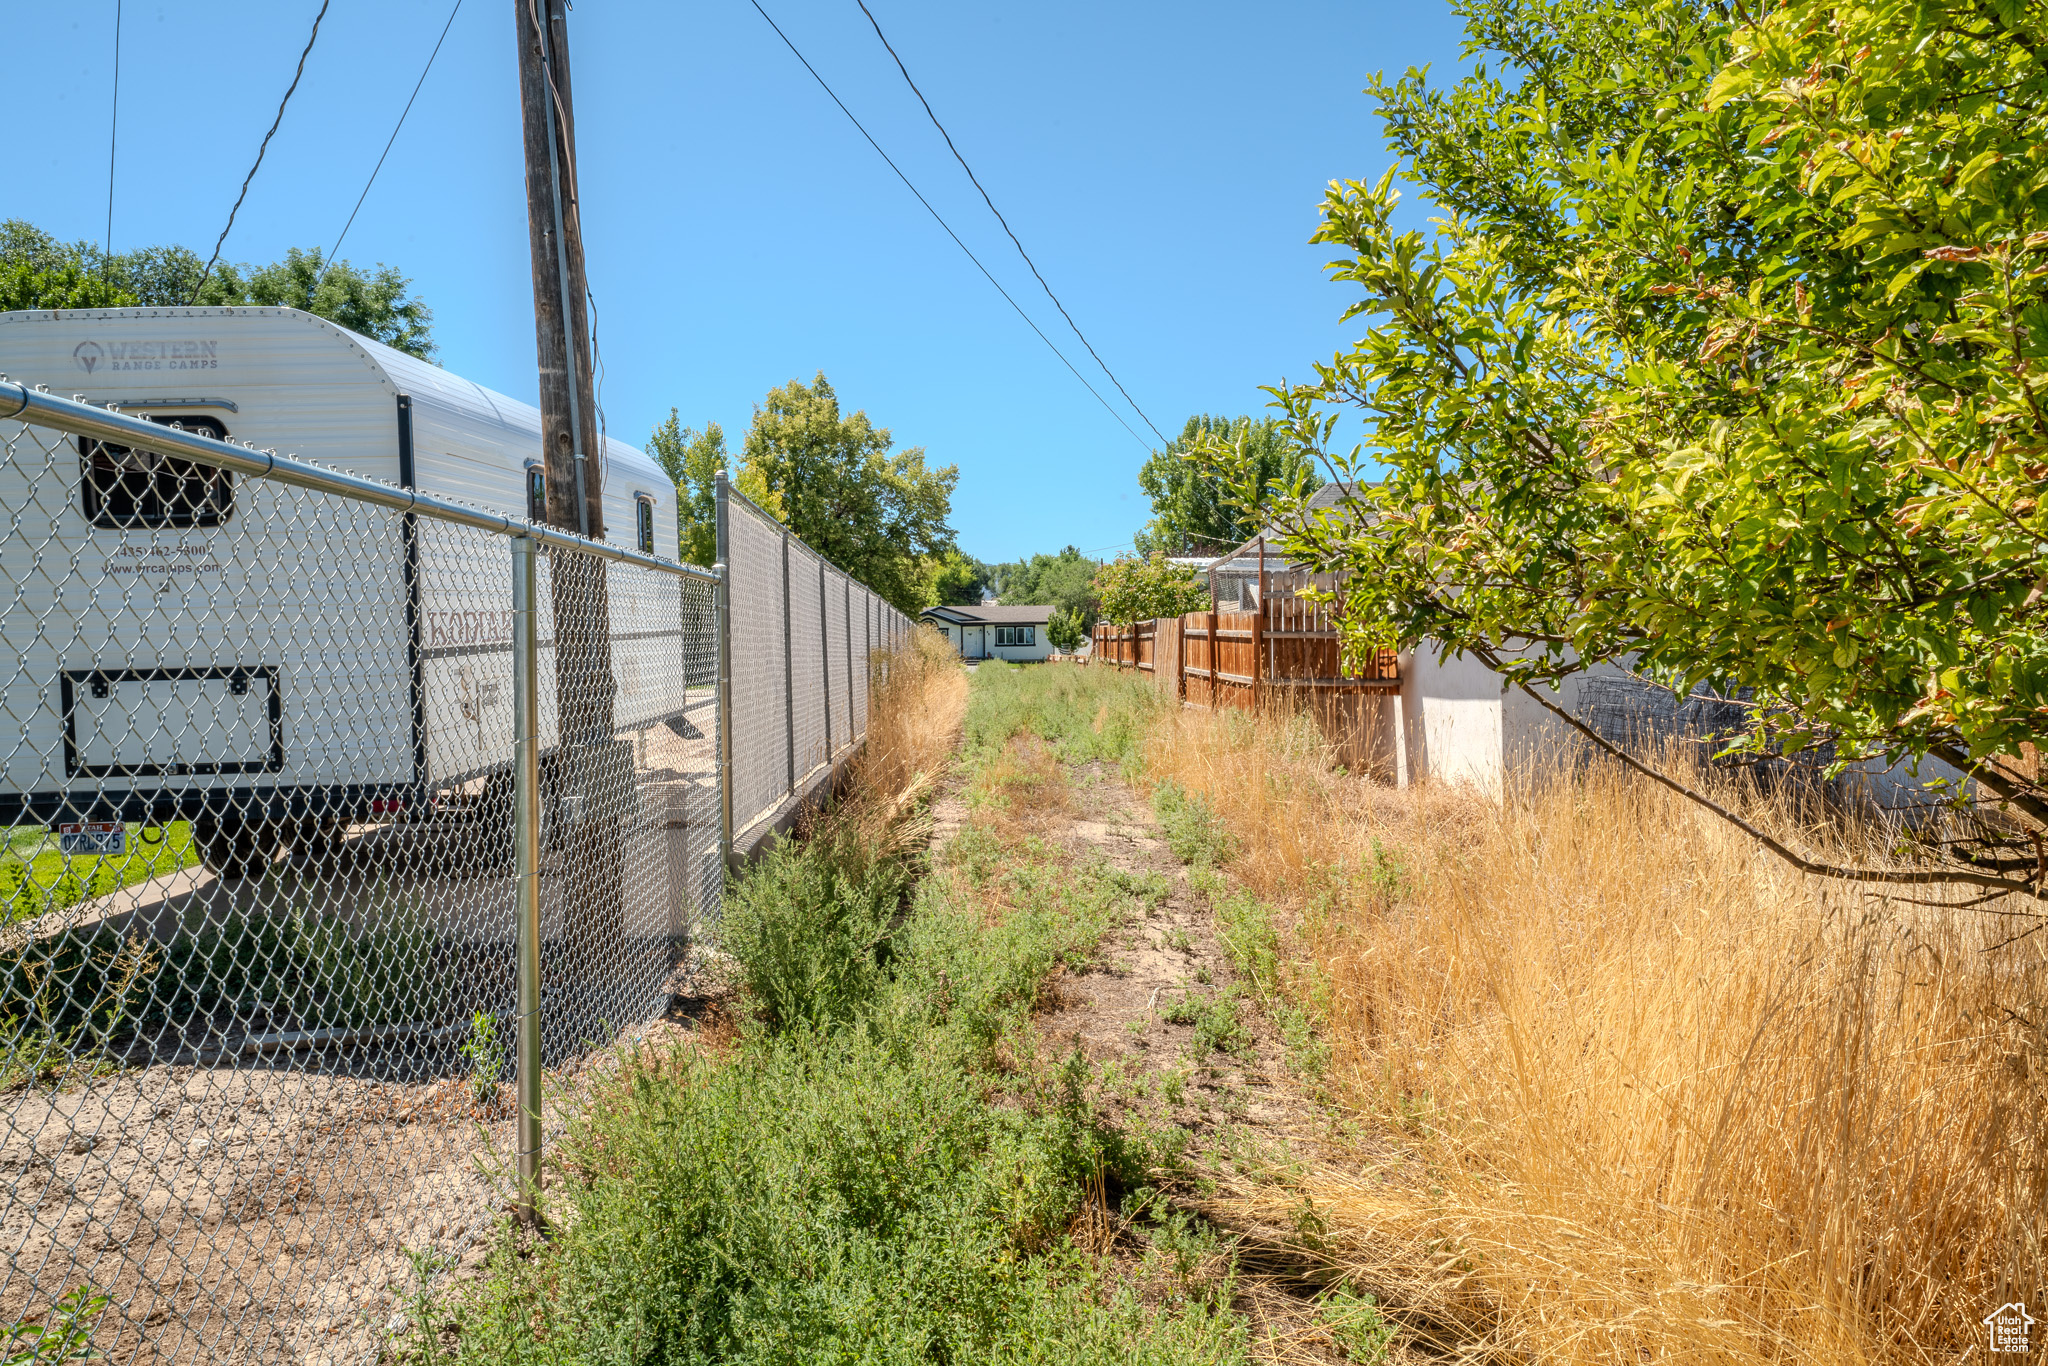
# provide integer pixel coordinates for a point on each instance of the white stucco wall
(1451, 722)
(1462, 723)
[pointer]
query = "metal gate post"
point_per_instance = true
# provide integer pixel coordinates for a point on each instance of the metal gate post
(788, 671)
(825, 665)
(722, 706)
(722, 524)
(526, 864)
(853, 726)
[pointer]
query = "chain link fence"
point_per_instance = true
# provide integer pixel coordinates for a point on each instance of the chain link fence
(807, 640)
(343, 825)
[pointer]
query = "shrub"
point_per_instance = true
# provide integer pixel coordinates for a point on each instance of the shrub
(809, 927)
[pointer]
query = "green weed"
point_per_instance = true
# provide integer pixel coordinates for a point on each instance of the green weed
(485, 1050)
(424, 1342)
(1384, 873)
(829, 1196)
(1152, 889)
(1217, 1024)
(1085, 714)
(1193, 831)
(64, 1333)
(1357, 1324)
(1251, 939)
(882, 1169)
(1173, 1086)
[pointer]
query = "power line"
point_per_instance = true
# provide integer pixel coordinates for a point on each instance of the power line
(113, 135)
(948, 227)
(326, 264)
(260, 150)
(1004, 221)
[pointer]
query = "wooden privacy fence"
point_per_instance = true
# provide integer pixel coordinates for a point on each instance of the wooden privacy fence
(1285, 650)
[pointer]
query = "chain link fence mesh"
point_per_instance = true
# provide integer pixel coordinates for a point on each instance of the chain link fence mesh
(762, 636)
(797, 681)
(257, 934)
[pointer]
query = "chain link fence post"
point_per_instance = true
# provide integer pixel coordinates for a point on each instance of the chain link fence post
(788, 671)
(825, 661)
(722, 613)
(526, 864)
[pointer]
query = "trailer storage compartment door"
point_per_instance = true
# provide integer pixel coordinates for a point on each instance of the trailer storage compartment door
(147, 722)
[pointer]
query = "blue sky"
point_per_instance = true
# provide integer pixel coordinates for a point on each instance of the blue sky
(1161, 161)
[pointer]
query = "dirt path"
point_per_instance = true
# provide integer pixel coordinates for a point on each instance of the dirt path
(1169, 1028)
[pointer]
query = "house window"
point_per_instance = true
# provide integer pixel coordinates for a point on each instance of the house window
(1016, 635)
(643, 513)
(126, 488)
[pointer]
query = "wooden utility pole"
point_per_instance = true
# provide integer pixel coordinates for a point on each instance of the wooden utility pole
(568, 398)
(591, 777)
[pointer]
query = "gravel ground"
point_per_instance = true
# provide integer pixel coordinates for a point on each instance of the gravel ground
(256, 1213)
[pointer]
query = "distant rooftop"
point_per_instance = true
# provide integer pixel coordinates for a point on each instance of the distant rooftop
(992, 614)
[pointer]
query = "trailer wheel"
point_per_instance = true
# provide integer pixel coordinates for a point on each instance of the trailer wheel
(231, 846)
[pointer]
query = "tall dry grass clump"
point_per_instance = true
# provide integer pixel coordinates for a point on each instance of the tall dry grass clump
(916, 703)
(1657, 1096)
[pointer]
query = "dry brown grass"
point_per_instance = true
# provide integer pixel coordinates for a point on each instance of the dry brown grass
(1022, 791)
(915, 708)
(1651, 1094)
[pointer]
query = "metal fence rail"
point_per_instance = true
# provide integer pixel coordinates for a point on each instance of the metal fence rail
(338, 817)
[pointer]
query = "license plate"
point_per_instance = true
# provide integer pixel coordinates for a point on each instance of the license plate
(93, 837)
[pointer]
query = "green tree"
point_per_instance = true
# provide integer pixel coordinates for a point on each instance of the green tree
(1193, 513)
(38, 271)
(692, 459)
(1065, 581)
(1064, 631)
(370, 302)
(1139, 590)
(1722, 358)
(953, 579)
(23, 285)
(832, 480)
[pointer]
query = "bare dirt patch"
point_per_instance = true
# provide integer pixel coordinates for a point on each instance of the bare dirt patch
(1165, 1023)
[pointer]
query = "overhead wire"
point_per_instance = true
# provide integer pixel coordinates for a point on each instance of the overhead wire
(113, 141)
(890, 48)
(388, 144)
(314, 37)
(940, 220)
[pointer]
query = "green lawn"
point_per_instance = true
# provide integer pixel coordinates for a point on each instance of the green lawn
(36, 879)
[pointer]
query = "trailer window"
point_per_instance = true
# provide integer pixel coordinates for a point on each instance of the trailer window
(127, 489)
(536, 492)
(644, 523)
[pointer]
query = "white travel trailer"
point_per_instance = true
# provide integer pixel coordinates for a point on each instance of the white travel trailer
(260, 660)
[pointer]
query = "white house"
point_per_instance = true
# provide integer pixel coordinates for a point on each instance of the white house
(989, 631)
